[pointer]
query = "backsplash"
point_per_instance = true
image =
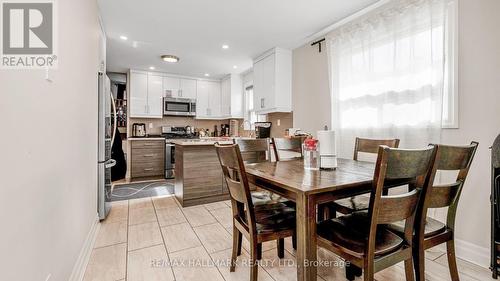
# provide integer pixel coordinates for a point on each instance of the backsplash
(175, 122)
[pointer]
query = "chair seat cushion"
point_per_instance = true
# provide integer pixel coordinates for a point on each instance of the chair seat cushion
(432, 227)
(350, 232)
(274, 217)
(352, 204)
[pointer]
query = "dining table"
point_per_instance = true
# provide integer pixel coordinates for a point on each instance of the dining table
(308, 188)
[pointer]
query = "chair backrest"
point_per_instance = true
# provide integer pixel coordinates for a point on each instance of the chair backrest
(448, 158)
(292, 145)
(254, 150)
(392, 165)
(371, 145)
(233, 169)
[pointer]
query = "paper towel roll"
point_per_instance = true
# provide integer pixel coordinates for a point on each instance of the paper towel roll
(327, 149)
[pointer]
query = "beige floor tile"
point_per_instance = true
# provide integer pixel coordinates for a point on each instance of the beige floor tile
(215, 205)
(197, 216)
(279, 269)
(213, 237)
(331, 267)
(197, 265)
(111, 233)
(179, 237)
(436, 271)
(140, 203)
(266, 246)
(170, 216)
(224, 216)
(142, 215)
(149, 264)
(434, 253)
(164, 202)
(393, 273)
(468, 268)
(242, 272)
(143, 235)
(118, 212)
(107, 264)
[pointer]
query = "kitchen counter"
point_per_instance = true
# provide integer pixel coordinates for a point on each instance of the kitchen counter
(146, 139)
(206, 141)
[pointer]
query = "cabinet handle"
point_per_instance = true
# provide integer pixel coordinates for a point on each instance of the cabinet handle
(149, 155)
(262, 103)
(145, 109)
(180, 92)
(148, 169)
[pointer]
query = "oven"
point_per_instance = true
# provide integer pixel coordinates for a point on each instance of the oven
(179, 107)
(169, 160)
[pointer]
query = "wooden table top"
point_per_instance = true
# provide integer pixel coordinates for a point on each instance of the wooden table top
(292, 176)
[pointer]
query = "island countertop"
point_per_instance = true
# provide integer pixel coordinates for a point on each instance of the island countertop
(204, 141)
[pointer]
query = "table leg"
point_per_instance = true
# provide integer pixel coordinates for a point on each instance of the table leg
(306, 238)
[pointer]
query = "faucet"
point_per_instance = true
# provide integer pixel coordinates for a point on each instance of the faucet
(252, 132)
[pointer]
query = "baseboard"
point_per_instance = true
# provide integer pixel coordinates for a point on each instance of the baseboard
(84, 256)
(472, 253)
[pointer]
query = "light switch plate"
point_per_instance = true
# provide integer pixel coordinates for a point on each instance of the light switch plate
(279, 122)
(151, 125)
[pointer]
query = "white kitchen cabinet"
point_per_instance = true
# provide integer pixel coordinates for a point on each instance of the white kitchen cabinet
(145, 94)
(273, 82)
(232, 96)
(138, 88)
(155, 95)
(208, 101)
(188, 88)
(171, 86)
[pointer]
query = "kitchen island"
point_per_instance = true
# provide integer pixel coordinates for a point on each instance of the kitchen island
(198, 175)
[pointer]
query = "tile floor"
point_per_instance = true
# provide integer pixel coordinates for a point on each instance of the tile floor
(155, 239)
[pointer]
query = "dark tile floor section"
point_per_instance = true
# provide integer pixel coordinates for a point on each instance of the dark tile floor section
(141, 190)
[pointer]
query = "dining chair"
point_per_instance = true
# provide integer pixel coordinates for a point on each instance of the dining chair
(293, 146)
(362, 237)
(360, 202)
(254, 150)
(430, 232)
(259, 223)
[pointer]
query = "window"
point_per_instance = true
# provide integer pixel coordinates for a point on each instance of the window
(250, 116)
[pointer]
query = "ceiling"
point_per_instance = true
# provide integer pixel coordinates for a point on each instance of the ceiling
(195, 31)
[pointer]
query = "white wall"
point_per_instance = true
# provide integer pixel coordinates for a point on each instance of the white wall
(49, 153)
(310, 91)
(479, 112)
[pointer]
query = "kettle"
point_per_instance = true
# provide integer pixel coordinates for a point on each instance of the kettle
(138, 130)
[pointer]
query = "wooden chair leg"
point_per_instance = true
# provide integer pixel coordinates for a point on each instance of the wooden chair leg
(368, 272)
(281, 247)
(253, 260)
(419, 262)
(321, 213)
(452, 260)
(409, 270)
(234, 256)
(259, 251)
(240, 238)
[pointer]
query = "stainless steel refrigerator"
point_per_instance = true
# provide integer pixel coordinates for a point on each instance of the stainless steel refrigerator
(106, 136)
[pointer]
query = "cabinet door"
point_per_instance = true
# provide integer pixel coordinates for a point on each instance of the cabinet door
(171, 84)
(155, 96)
(269, 73)
(214, 99)
(188, 88)
(258, 85)
(202, 101)
(226, 98)
(138, 94)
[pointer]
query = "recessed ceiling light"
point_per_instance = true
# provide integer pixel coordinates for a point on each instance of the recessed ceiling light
(123, 37)
(170, 58)
(207, 75)
(235, 66)
(152, 67)
(225, 46)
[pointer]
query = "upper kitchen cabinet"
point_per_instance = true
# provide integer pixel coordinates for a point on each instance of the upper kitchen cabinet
(179, 87)
(145, 94)
(208, 101)
(232, 96)
(273, 81)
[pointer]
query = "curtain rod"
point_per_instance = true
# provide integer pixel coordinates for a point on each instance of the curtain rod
(318, 42)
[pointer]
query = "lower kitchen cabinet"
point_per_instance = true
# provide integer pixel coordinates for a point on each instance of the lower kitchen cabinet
(147, 158)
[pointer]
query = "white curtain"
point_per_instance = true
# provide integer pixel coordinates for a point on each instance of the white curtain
(387, 75)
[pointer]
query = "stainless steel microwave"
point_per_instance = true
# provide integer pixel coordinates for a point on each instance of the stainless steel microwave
(179, 107)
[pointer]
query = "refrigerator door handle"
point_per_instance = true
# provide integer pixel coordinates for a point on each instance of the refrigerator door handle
(110, 163)
(114, 118)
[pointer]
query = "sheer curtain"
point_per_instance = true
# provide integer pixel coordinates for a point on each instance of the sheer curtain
(387, 75)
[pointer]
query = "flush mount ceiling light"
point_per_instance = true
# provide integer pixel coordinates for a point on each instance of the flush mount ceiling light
(170, 58)
(123, 37)
(225, 46)
(152, 67)
(235, 66)
(207, 75)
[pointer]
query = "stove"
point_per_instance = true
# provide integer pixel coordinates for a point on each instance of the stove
(174, 133)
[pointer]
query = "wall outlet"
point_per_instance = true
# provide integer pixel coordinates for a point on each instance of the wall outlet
(279, 122)
(151, 125)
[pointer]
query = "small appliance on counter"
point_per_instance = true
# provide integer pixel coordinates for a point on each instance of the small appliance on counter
(263, 130)
(327, 150)
(138, 130)
(224, 130)
(234, 126)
